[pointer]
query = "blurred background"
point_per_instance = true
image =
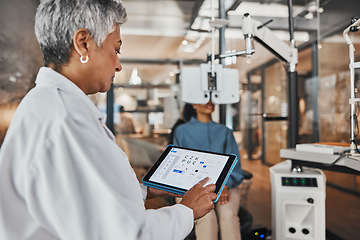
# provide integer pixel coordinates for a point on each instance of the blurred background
(163, 36)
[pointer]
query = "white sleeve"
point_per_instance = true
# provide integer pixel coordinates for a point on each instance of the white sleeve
(178, 227)
(81, 186)
(143, 191)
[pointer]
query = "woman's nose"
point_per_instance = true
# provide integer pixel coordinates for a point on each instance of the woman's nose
(118, 66)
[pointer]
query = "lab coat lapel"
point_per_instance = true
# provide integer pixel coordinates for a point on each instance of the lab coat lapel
(107, 130)
(49, 76)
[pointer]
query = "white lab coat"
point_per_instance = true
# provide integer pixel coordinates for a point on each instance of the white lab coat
(62, 176)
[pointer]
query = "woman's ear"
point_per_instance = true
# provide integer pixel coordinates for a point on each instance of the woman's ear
(81, 41)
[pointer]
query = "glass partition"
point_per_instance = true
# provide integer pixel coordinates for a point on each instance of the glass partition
(333, 100)
(250, 115)
(275, 112)
(334, 89)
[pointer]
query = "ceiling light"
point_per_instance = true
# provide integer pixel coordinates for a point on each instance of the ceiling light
(298, 35)
(258, 9)
(206, 9)
(192, 36)
(312, 7)
(194, 40)
(301, 36)
(310, 15)
(189, 48)
(153, 32)
(205, 25)
(201, 23)
(184, 42)
(12, 79)
(197, 23)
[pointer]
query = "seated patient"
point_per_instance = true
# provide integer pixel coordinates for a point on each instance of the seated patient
(187, 113)
(204, 134)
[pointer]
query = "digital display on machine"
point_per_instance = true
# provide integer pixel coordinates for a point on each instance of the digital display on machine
(299, 182)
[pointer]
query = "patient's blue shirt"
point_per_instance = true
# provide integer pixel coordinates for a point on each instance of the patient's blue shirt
(212, 137)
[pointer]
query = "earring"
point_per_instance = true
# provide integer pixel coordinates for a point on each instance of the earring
(86, 59)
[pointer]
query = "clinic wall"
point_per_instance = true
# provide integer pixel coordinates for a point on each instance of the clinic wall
(20, 56)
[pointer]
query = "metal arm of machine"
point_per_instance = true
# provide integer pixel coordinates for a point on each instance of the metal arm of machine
(255, 29)
(263, 35)
(285, 53)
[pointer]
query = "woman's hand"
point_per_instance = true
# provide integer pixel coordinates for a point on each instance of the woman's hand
(225, 196)
(200, 199)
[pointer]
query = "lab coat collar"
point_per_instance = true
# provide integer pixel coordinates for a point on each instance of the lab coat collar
(47, 76)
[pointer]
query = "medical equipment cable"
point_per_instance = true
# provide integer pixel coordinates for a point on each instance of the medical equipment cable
(356, 134)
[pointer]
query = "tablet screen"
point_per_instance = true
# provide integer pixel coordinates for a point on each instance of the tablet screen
(184, 168)
(179, 169)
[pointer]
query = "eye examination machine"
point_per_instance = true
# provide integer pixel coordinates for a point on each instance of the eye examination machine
(298, 192)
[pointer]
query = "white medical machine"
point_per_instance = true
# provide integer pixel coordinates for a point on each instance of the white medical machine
(210, 81)
(298, 203)
(199, 86)
(298, 193)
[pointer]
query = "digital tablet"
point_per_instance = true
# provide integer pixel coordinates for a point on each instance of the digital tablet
(178, 169)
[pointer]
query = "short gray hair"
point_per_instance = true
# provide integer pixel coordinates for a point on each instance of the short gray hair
(56, 21)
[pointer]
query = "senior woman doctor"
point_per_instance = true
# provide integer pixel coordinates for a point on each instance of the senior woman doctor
(62, 175)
